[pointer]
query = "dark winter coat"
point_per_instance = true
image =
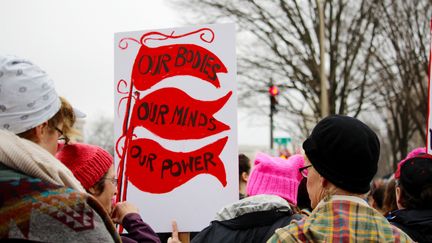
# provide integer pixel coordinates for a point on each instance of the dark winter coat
(416, 223)
(138, 230)
(253, 219)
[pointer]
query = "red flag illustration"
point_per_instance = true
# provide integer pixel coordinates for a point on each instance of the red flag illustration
(172, 114)
(155, 64)
(152, 168)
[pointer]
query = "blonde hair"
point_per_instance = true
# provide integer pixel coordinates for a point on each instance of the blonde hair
(65, 115)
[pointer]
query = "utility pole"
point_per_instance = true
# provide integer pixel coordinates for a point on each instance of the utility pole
(271, 129)
(323, 77)
(273, 92)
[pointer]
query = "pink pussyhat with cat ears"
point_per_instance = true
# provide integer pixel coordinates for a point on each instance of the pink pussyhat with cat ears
(276, 176)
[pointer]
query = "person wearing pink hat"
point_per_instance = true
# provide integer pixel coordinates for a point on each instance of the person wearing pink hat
(414, 197)
(94, 168)
(272, 188)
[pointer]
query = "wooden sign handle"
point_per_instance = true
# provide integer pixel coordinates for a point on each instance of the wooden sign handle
(184, 237)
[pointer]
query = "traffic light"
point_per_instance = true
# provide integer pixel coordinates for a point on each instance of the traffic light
(273, 91)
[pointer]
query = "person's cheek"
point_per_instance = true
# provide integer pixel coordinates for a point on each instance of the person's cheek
(113, 203)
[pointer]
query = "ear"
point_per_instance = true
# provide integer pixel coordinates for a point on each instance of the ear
(244, 176)
(92, 190)
(398, 197)
(324, 182)
(40, 131)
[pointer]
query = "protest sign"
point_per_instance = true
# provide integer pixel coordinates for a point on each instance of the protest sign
(176, 123)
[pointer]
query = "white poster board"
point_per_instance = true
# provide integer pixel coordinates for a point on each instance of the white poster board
(176, 123)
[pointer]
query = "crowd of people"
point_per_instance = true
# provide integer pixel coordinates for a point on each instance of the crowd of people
(56, 190)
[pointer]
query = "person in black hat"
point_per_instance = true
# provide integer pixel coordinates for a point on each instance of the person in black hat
(341, 157)
(414, 198)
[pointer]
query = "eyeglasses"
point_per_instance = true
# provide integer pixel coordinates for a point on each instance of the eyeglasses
(62, 136)
(303, 171)
(113, 180)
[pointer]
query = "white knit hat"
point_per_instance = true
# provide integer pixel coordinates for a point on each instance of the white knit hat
(27, 95)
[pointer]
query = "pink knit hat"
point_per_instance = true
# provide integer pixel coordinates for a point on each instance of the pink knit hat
(276, 176)
(87, 162)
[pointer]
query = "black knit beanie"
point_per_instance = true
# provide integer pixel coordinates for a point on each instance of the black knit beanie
(345, 151)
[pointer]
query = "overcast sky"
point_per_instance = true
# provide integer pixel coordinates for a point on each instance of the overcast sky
(73, 42)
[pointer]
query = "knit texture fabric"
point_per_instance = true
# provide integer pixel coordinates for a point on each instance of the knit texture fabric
(415, 175)
(87, 162)
(413, 153)
(27, 95)
(31, 159)
(345, 151)
(36, 211)
(276, 176)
